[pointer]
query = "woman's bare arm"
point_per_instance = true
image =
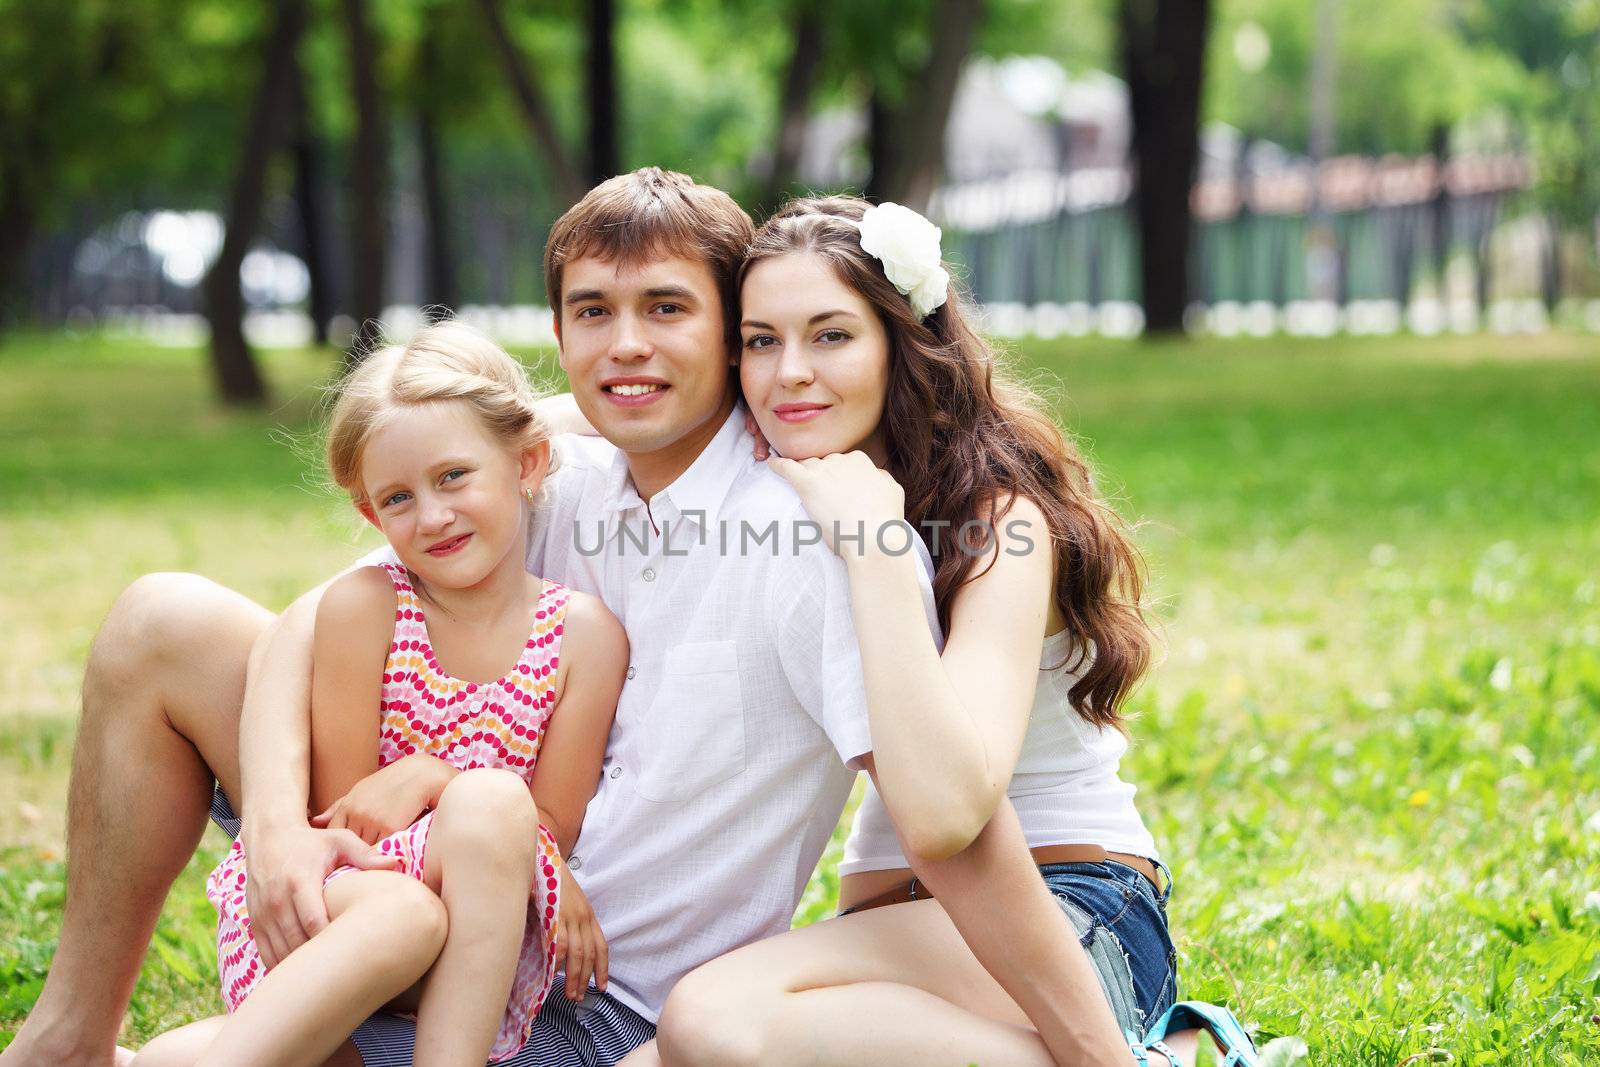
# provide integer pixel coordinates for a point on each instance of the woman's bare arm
(947, 728)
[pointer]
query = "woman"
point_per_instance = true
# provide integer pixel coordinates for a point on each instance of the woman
(863, 373)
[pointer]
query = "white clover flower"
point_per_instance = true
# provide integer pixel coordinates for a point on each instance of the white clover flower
(908, 247)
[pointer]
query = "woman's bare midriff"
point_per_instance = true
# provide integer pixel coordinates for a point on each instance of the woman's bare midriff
(857, 888)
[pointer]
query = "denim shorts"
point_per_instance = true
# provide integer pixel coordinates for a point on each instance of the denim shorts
(1122, 923)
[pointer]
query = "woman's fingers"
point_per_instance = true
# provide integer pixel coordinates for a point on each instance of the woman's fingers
(791, 471)
(602, 960)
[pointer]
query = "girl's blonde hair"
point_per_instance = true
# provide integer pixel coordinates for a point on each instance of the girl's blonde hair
(445, 361)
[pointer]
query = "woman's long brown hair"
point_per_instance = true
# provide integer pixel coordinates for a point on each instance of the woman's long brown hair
(963, 440)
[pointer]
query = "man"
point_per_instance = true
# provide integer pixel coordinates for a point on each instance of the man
(736, 736)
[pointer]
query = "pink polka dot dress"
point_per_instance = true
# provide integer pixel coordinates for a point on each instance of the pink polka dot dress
(498, 725)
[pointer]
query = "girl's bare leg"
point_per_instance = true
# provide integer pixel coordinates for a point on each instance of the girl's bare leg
(183, 1047)
(482, 848)
(386, 930)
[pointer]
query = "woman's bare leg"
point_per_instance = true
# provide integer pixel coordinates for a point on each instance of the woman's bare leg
(889, 987)
(882, 988)
(482, 848)
(646, 1055)
(386, 931)
(161, 700)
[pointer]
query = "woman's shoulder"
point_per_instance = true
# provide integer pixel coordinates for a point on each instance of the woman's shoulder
(1014, 524)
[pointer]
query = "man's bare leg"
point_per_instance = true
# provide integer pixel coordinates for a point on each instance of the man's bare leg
(161, 699)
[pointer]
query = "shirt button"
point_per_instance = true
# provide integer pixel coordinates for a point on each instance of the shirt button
(616, 772)
(648, 575)
(574, 863)
(631, 671)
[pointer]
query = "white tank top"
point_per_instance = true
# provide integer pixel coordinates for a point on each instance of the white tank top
(1065, 787)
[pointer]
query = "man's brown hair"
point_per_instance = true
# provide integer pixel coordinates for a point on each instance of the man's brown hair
(654, 213)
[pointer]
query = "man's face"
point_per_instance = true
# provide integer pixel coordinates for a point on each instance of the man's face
(645, 352)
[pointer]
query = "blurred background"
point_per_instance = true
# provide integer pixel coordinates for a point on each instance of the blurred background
(1099, 166)
(1314, 283)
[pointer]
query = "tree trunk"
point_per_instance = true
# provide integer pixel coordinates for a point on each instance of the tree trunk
(442, 286)
(605, 153)
(1163, 50)
(1439, 213)
(238, 379)
(531, 102)
(881, 148)
(794, 104)
(18, 223)
(908, 139)
(310, 207)
(1550, 282)
(368, 169)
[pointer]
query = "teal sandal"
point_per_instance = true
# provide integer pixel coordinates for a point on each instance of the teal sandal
(1237, 1048)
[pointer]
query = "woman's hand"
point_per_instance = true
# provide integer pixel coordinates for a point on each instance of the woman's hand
(853, 500)
(390, 799)
(580, 945)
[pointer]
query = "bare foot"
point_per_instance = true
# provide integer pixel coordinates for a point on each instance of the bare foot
(35, 1050)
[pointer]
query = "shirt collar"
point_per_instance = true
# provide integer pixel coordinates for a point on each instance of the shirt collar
(699, 491)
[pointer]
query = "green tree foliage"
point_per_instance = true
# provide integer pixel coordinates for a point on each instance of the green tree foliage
(1556, 46)
(1404, 67)
(104, 106)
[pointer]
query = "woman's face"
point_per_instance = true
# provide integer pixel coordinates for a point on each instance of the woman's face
(814, 361)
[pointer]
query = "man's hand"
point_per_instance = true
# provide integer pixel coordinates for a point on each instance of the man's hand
(389, 799)
(762, 449)
(284, 890)
(580, 945)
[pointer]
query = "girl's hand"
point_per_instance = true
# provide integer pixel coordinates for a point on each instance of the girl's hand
(853, 500)
(390, 799)
(580, 945)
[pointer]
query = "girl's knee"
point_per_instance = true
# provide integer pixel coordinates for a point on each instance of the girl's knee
(181, 1047)
(412, 917)
(487, 811)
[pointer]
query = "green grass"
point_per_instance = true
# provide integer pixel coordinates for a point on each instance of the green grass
(1369, 753)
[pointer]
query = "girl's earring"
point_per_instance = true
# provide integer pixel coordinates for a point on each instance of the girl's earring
(527, 494)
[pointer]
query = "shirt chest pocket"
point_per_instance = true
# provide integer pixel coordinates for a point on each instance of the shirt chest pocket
(694, 729)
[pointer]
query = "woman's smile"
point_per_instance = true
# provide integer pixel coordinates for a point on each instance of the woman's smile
(800, 411)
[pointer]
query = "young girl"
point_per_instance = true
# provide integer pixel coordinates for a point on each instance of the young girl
(860, 369)
(460, 708)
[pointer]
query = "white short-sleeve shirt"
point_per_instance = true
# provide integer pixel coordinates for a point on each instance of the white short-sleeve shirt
(744, 715)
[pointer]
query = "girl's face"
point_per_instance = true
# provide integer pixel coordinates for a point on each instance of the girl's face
(447, 494)
(815, 359)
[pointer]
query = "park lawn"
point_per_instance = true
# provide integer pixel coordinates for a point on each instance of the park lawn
(1369, 753)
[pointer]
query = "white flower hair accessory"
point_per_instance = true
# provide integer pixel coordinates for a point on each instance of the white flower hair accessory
(908, 247)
